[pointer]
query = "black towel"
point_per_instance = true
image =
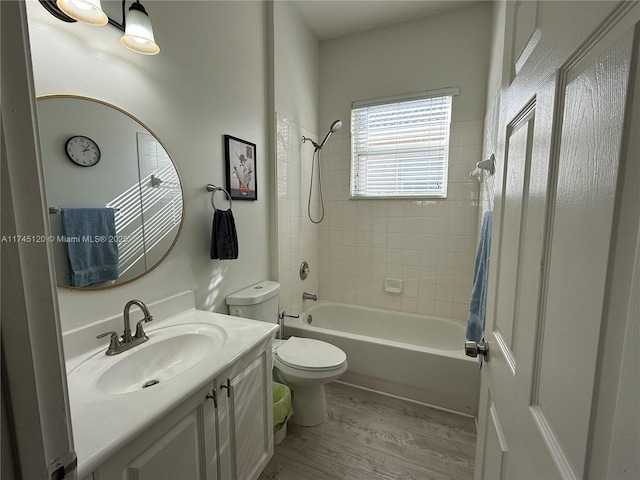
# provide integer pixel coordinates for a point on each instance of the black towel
(224, 239)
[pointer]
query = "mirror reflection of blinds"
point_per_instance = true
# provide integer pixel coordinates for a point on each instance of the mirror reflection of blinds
(400, 149)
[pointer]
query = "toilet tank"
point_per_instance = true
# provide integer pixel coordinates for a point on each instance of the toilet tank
(258, 302)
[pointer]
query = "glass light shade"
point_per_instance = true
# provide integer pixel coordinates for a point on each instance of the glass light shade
(138, 35)
(85, 11)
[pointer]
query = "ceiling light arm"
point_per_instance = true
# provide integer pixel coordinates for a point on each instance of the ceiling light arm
(119, 26)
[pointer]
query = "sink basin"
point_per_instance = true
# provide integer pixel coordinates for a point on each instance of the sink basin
(169, 352)
(157, 362)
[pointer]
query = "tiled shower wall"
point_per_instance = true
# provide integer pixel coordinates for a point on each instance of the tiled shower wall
(430, 244)
(297, 236)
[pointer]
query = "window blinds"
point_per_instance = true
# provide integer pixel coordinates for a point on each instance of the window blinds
(400, 148)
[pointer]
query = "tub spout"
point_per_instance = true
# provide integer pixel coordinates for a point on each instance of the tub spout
(309, 296)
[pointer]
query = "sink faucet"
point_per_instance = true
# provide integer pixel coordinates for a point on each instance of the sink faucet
(126, 338)
(121, 344)
(309, 296)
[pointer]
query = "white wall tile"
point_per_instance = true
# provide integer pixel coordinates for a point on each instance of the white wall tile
(430, 244)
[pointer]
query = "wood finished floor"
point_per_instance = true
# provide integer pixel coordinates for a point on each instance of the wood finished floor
(370, 436)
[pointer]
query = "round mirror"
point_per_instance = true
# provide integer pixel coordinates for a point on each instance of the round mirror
(114, 194)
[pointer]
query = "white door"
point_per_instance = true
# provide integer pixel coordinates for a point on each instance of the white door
(561, 143)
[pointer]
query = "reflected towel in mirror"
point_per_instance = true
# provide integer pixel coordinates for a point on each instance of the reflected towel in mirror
(91, 245)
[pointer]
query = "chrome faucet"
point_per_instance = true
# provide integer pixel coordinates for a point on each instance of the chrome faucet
(309, 296)
(121, 344)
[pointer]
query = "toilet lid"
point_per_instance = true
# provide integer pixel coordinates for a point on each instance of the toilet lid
(310, 354)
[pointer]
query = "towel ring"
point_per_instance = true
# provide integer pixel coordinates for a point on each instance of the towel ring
(213, 189)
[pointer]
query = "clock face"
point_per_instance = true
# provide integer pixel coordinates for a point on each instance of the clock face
(82, 151)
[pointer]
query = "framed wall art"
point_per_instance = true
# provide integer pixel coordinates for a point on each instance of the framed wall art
(240, 157)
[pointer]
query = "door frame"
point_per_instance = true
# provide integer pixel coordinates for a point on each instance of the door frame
(34, 391)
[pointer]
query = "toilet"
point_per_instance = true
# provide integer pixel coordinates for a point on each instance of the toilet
(305, 365)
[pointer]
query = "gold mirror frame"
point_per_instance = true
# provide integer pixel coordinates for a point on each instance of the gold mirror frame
(152, 133)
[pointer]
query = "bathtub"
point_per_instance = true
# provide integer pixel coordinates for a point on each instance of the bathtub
(412, 356)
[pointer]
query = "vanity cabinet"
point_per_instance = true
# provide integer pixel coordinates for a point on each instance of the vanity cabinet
(223, 432)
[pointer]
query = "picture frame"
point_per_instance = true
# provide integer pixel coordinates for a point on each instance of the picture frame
(240, 157)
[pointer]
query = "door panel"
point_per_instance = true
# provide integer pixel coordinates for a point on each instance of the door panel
(526, 33)
(579, 244)
(495, 446)
(515, 195)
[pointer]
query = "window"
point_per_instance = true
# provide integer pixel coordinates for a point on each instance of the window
(400, 146)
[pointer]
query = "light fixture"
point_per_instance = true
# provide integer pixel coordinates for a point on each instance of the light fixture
(138, 32)
(85, 11)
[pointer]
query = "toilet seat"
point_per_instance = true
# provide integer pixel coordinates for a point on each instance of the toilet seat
(310, 354)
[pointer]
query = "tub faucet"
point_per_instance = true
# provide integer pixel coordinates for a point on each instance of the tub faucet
(309, 296)
(118, 345)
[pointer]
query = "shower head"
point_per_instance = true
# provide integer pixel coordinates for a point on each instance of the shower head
(335, 126)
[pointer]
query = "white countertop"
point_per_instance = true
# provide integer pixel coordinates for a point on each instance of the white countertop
(104, 423)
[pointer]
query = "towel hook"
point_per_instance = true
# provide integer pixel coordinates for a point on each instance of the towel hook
(489, 165)
(213, 189)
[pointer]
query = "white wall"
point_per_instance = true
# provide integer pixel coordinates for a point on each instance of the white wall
(430, 244)
(449, 49)
(296, 76)
(208, 80)
(297, 57)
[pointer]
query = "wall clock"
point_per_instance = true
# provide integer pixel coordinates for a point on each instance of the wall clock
(82, 151)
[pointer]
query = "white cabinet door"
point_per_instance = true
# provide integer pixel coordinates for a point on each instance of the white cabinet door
(245, 416)
(177, 448)
(562, 154)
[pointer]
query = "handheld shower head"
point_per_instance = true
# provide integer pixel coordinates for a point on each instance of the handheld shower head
(335, 126)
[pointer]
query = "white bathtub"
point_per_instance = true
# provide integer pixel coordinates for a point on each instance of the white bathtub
(412, 356)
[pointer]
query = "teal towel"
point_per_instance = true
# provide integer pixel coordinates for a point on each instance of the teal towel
(91, 245)
(478, 303)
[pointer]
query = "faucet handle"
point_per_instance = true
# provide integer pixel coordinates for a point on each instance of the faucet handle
(281, 317)
(139, 330)
(114, 341)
